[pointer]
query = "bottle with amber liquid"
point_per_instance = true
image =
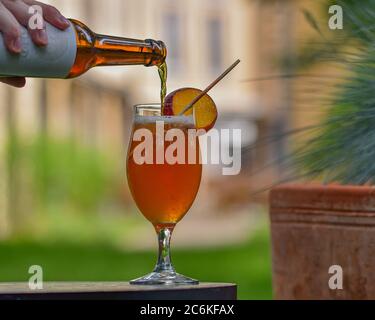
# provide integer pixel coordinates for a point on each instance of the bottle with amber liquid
(72, 52)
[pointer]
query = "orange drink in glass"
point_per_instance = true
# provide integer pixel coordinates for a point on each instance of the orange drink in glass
(162, 187)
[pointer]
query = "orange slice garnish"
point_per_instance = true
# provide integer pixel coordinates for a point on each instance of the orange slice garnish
(205, 110)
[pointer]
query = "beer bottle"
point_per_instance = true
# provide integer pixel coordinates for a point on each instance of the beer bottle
(74, 51)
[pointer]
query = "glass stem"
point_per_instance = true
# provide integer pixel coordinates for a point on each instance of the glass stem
(164, 259)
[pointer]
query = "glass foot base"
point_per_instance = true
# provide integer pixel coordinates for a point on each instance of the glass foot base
(164, 278)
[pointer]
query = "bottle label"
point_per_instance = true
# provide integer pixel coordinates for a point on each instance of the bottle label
(52, 61)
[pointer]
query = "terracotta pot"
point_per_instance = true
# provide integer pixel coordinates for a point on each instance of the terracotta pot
(314, 227)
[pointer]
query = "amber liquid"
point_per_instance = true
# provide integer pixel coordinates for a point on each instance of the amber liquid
(163, 192)
(163, 74)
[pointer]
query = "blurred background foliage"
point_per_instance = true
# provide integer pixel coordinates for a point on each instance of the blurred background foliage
(326, 44)
(341, 146)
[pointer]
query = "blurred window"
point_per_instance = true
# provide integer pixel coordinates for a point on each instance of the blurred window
(215, 43)
(173, 39)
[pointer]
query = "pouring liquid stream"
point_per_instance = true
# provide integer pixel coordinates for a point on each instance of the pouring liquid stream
(163, 74)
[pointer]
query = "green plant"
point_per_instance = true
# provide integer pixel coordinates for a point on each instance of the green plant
(342, 148)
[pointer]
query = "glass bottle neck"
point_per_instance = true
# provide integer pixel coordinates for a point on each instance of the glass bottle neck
(102, 50)
(110, 50)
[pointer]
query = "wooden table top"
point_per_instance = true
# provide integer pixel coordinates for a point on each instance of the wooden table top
(118, 290)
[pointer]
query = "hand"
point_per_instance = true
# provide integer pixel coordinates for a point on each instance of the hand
(13, 15)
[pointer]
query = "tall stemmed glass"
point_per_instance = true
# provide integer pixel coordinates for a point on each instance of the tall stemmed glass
(163, 191)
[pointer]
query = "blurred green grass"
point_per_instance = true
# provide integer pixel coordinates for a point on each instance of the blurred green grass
(247, 264)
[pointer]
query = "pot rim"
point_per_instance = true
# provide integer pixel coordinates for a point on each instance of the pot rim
(333, 197)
